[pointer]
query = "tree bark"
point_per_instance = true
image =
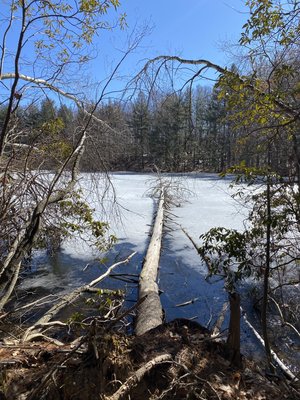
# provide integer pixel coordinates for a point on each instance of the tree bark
(150, 312)
(217, 328)
(264, 321)
(233, 341)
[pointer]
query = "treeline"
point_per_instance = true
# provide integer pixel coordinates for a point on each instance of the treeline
(183, 131)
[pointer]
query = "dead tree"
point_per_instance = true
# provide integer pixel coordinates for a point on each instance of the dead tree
(150, 312)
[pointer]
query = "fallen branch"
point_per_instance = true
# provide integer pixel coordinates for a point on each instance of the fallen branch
(284, 368)
(190, 238)
(217, 328)
(283, 321)
(205, 259)
(138, 375)
(41, 336)
(69, 298)
(33, 332)
(125, 313)
(186, 303)
(37, 303)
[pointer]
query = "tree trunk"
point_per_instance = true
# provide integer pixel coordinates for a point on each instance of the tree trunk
(150, 312)
(264, 321)
(233, 341)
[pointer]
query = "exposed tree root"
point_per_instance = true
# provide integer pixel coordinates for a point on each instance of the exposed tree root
(138, 375)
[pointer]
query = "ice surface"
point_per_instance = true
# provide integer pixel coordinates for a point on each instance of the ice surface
(129, 210)
(208, 203)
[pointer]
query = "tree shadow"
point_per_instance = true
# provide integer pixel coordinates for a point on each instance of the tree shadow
(64, 271)
(182, 279)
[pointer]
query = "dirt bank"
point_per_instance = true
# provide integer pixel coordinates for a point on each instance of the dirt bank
(177, 360)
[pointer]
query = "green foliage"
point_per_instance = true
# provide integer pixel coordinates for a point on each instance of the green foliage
(65, 29)
(285, 205)
(227, 251)
(78, 218)
(72, 217)
(54, 144)
(53, 126)
(271, 18)
(250, 103)
(261, 101)
(250, 175)
(274, 205)
(116, 293)
(265, 17)
(76, 317)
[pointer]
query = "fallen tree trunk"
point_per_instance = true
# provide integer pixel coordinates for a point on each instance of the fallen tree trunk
(150, 312)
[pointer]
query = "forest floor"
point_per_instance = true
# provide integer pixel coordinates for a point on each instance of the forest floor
(177, 360)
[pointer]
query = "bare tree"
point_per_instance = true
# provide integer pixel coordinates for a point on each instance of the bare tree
(52, 42)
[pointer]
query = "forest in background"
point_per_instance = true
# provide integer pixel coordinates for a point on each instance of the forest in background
(172, 132)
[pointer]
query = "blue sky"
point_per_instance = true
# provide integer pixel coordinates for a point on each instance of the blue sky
(189, 28)
(193, 28)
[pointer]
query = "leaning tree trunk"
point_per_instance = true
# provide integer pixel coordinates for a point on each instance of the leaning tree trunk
(150, 312)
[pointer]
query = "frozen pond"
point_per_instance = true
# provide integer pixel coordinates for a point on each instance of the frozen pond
(182, 273)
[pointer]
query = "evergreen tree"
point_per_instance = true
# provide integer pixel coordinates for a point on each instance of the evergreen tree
(140, 124)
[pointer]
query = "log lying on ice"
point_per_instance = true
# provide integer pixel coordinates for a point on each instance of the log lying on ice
(150, 313)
